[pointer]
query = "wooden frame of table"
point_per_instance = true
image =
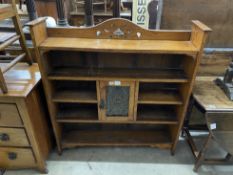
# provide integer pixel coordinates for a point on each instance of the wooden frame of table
(209, 99)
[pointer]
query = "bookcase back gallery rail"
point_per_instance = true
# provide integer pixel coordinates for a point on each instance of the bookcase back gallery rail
(120, 29)
(117, 84)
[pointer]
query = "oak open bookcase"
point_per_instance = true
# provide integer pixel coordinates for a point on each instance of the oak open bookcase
(117, 84)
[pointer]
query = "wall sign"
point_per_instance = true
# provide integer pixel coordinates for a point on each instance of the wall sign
(145, 13)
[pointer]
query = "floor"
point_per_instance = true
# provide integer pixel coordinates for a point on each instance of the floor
(129, 161)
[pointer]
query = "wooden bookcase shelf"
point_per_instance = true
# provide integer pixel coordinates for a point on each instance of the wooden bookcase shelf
(158, 114)
(77, 112)
(169, 97)
(145, 75)
(121, 45)
(117, 84)
(72, 96)
(74, 92)
(157, 93)
(116, 135)
(116, 138)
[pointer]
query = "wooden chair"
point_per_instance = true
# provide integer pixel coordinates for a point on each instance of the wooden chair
(6, 61)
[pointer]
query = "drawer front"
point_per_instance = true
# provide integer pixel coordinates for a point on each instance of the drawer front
(16, 158)
(13, 137)
(9, 115)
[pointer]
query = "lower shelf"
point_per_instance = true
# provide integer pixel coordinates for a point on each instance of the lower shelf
(156, 114)
(159, 139)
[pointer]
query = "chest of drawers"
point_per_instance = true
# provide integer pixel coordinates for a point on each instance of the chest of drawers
(24, 133)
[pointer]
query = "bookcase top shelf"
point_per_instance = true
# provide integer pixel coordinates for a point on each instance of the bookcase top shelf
(143, 75)
(120, 35)
(119, 45)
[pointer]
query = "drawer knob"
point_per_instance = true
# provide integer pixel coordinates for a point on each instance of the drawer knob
(12, 156)
(4, 137)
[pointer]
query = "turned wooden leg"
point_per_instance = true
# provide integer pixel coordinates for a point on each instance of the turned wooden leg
(201, 155)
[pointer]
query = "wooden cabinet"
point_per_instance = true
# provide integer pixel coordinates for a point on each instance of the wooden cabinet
(117, 84)
(24, 134)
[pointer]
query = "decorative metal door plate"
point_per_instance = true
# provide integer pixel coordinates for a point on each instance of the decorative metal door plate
(117, 101)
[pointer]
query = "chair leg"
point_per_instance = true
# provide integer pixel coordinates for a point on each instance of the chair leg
(3, 83)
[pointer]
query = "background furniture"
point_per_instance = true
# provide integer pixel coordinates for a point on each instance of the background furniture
(218, 112)
(100, 15)
(77, 18)
(117, 84)
(48, 8)
(80, 4)
(7, 62)
(24, 134)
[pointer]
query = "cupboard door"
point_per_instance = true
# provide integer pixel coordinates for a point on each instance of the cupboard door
(116, 100)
